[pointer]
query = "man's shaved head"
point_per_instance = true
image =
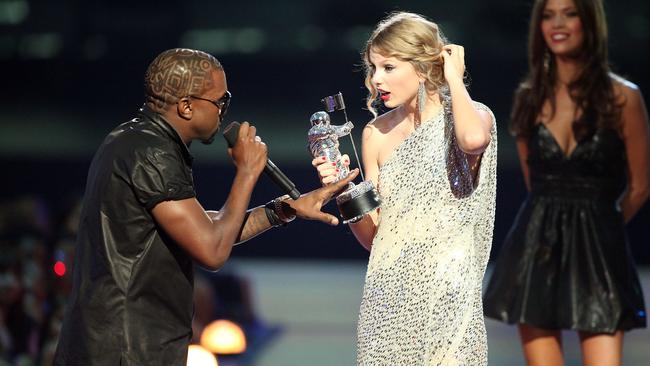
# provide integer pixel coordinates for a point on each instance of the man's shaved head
(177, 73)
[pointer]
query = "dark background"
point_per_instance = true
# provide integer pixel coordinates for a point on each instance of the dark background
(72, 70)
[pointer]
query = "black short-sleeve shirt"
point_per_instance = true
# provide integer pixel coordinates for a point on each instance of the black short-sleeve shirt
(131, 302)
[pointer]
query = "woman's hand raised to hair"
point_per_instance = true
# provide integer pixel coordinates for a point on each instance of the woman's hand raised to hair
(453, 57)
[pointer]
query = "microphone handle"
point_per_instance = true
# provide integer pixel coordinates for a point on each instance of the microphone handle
(281, 180)
(276, 175)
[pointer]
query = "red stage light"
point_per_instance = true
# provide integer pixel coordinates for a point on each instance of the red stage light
(59, 268)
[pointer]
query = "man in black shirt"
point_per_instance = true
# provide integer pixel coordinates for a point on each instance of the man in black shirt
(141, 226)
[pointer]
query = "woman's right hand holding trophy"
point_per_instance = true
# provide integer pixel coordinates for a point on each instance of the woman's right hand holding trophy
(327, 170)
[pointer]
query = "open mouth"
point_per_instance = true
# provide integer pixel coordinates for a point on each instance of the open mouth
(558, 37)
(384, 95)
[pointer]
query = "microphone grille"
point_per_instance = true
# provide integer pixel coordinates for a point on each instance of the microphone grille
(231, 132)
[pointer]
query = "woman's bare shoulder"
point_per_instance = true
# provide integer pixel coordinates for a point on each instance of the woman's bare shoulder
(623, 86)
(383, 123)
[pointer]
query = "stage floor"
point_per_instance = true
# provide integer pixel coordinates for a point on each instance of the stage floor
(316, 304)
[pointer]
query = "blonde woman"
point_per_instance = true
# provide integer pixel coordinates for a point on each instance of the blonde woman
(433, 159)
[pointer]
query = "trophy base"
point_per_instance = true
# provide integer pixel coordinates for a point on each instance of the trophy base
(356, 201)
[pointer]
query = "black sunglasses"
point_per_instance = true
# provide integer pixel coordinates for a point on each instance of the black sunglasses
(221, 103)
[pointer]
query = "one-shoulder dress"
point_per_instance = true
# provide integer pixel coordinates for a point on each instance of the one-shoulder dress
(422, 297)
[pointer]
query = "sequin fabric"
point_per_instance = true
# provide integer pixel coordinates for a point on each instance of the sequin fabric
(422, 297)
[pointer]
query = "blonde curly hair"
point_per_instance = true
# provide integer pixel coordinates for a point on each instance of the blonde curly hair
(407, 37)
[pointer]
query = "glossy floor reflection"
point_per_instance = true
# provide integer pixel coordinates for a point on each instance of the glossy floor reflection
(316, 304)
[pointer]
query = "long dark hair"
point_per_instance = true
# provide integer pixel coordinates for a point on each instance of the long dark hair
(592, 91)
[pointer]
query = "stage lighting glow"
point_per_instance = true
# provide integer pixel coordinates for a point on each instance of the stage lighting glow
(59, 268)
(199, 356)
(223, 337)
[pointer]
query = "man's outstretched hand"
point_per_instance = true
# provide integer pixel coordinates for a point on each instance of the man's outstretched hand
(309, 205)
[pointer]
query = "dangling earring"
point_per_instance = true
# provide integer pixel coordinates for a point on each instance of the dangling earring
(422, 100)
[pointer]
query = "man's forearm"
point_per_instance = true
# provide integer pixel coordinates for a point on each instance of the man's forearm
(255, 223)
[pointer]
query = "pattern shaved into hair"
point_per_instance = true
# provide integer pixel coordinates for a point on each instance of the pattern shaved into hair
(178, 73)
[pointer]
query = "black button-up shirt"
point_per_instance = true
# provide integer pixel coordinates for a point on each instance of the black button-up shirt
(131, 303)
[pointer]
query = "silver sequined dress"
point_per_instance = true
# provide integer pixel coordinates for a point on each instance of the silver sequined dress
(422, 296)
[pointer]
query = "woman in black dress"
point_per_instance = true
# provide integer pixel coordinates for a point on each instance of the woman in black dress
(584, 146)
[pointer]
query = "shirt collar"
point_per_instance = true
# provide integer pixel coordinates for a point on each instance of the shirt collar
(161, 122)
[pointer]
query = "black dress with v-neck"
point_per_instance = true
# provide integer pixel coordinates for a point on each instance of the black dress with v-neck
(566, 262)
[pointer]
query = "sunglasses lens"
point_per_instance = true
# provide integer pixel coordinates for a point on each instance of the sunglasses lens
(225, 103)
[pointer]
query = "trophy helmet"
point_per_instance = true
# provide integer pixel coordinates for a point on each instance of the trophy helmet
(320, 118)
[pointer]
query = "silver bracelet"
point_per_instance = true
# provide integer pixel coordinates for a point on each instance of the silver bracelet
(277, 207)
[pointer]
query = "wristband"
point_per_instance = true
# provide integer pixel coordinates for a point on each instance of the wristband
(279, 206)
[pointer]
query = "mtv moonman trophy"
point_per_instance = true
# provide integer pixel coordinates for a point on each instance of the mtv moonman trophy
(357, 200)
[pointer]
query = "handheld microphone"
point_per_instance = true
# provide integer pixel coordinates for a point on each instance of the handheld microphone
(231, 132)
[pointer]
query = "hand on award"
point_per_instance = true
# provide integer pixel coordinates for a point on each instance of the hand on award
(327, 171)
(309, 205)
(357, 200)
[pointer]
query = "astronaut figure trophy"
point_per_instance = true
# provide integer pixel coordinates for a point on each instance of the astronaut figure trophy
(357, 200)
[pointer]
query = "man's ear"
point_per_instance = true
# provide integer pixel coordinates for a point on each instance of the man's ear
(184, 108)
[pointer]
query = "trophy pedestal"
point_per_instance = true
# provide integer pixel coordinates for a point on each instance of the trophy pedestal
(357, 201)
